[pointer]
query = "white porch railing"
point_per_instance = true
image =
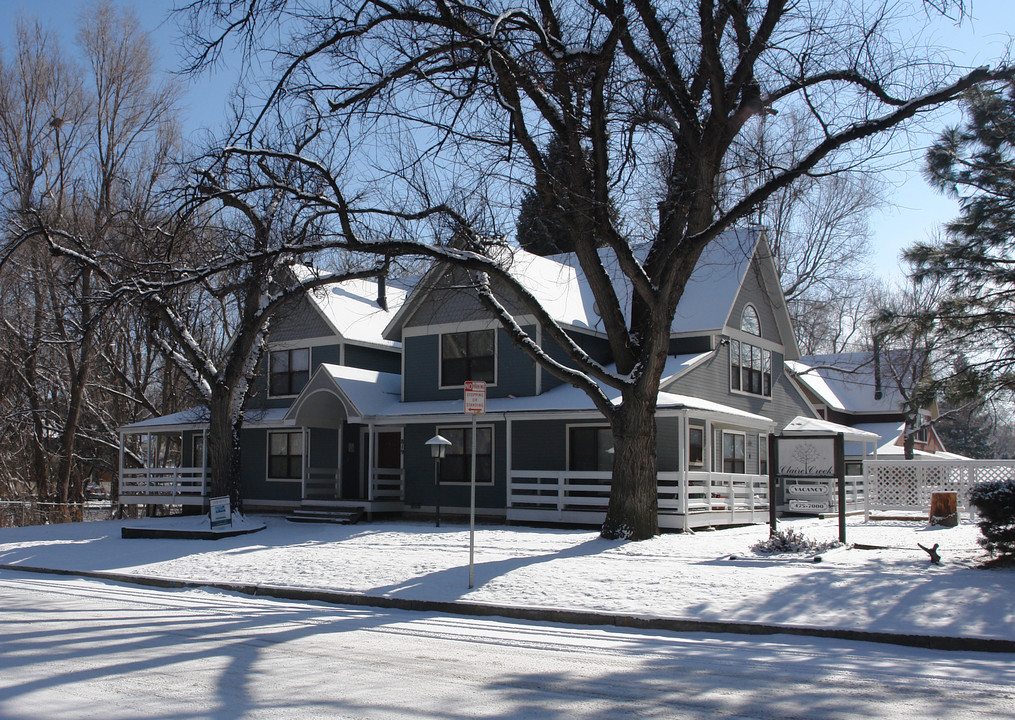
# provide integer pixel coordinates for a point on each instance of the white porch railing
(686, 500)
(908, 484)
(163, 486)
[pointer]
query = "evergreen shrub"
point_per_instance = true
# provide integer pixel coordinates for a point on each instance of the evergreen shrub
(995, 502)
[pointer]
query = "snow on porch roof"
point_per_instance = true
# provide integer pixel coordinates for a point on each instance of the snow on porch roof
(197, 417)
(376, 395)
(801, 425)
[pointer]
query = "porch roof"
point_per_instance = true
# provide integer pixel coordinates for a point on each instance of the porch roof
(377, 396)
(196, 418)
(801, 425)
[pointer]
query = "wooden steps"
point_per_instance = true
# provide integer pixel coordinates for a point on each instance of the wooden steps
(333, 515)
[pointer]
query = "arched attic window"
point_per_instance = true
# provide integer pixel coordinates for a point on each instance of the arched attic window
(750, 365)
(749, 321)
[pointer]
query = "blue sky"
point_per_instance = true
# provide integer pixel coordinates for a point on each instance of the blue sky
(912, 212)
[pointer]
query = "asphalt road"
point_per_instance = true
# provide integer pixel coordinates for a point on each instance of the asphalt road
(75, 648)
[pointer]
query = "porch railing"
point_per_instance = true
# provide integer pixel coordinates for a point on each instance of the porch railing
(686, 500)
(163, 486)
(387, 485)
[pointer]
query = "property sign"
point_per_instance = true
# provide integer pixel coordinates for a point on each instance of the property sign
(221, 517)
(807, 457)
(475, 396)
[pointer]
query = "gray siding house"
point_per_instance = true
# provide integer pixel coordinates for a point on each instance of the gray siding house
(342, 416)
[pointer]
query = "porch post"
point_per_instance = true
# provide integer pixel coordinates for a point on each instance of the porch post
(684, 465)
(507, 458)
(204, 462)
(119, 475)
(305, 463)
(370, 461)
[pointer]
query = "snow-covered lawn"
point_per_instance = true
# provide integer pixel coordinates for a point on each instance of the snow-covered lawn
(893, 589)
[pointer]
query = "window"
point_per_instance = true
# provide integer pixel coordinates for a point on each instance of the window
(750, 369)
(763, 454)
(749, 322)
(457, 463)
(923, 434)
(290, 370)
(589, 448)
(734, 459)
(696, 445)
(285, 455)
(467, 356)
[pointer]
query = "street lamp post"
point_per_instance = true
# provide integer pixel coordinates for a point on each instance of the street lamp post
(438, 446)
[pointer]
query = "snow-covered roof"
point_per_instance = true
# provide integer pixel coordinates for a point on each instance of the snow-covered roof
(847, 382)
(197, 417)
(375, 395)
(560, 285)
(801, 425)
(351, 307)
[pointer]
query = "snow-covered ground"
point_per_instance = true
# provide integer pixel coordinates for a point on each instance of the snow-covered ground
(893, 589)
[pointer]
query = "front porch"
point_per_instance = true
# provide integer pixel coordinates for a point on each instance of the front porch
(687, 500)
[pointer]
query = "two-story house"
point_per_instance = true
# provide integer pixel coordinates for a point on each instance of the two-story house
(355, 432)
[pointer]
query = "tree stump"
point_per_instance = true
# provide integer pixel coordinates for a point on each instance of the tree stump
(944, 509)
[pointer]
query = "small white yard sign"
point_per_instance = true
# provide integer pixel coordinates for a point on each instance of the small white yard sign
(221, 517)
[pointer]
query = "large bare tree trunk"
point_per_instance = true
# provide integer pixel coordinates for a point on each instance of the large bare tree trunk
(634, 500)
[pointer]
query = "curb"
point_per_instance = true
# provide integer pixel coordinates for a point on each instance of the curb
(567, 617)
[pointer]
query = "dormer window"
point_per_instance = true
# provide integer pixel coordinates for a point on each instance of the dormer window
(289, 371)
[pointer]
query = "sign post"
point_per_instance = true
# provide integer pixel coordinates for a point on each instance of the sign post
(475, 404)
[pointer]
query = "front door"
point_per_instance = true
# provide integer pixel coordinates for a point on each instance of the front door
(387, 465)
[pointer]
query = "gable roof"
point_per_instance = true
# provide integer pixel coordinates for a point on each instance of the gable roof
(560, 285)
(847, 381)
(351, 309)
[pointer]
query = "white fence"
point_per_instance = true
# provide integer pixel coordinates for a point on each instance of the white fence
(908, 484)
(686, 500)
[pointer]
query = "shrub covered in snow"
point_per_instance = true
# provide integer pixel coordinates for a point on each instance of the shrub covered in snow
(791, 541)
(995, 501)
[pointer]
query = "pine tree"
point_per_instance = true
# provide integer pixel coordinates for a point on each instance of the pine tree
(975, 163)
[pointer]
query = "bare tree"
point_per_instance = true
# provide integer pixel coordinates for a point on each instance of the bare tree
(468, 96)
(88, 146)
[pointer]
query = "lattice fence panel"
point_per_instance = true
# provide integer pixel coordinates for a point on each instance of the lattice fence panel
(908, 485)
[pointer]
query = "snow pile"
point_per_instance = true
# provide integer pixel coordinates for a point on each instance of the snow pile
(889, 586)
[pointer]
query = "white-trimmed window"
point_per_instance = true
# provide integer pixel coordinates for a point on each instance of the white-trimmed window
(749, 321)
(456, 467)
(468, 356)
(588, 447)
(288, 371)
(695, 445)
(734, 452)
(285, 455)
(763, 454)
(750, 369)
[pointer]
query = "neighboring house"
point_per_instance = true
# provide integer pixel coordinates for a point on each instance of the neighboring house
(862, 391)
(336, 421)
